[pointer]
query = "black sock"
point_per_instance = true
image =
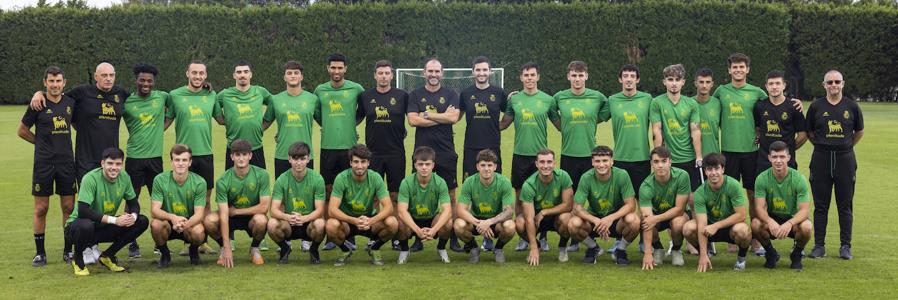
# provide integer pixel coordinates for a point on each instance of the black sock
(255, 243)
(743, 251)
(79, 258)
(542, 235)
(378, 243)
(403, 245)
(193, 250)
(39, 244)
(220, 242)
(657, 245)
(676, 247)
(768, 246)
(314, 248)
(343, 247)
(67, 244)
(284, 246)
(797, 250)
(441, 244)
(164, 250)
(562, 242)
(500, 244)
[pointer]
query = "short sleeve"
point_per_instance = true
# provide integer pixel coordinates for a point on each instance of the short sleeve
(646, 193)
(158, 185)
(30, 117)
(380, 188)
(655, 112)
(264, 184)
(277, 193)
(760, 187)
(465, 196)
(507, 193)
(528, 192)
(269, 113)
(320, 193)
(339, 187)
(736, 195)
(221, 191)
(169, 107)
(216, 109)
(624, 185)
(404, 192)
(582, 191)
(699, 199)
(199, 195)
(509, 108)
(443, 191)
(859, 119)
(694, 116)
(684, 186)
(801, 189)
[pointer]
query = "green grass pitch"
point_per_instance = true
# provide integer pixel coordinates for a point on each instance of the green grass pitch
(872, 274)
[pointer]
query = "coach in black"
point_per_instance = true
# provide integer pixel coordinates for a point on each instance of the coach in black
(481, 104)
(835, 126)
(97, 114)
(383, 108)
(777, 120)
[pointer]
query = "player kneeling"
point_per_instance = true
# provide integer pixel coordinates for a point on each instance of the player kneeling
(783, 204)
(720, 210)
(607, 192)
(662, 200)
(178, 206)
(93, 220)
(424, 206)
(546, 199)
(485, 207)
(353, 207)
(300, 191)
(243, 195)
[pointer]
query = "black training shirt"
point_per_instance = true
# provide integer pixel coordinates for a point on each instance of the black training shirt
(778, 123)
(384, 120)
(482, 108)
(97, 115)
(438, 137)
(52, 131)
(834, 125)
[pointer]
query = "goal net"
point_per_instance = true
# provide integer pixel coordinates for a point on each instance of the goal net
(458, 79)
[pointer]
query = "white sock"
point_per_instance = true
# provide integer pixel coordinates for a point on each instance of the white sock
(589, 242)
(623, 245)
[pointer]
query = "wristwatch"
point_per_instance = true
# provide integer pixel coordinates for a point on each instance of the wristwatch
(426, 115)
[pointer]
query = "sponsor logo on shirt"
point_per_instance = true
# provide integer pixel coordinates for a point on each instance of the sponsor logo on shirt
(381, 114)
(835, 129)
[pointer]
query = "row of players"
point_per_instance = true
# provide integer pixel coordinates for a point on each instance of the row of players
(603, 206)
(725, 121)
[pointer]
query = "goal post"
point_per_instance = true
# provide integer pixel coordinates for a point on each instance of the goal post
(456, 78)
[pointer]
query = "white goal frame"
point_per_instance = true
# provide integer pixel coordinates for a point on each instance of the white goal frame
(421, 70)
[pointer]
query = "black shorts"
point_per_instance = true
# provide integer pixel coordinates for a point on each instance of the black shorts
(257, 160)
(332, 163)
(763, 163)
(283, 165)
(469, 161)
(695, 179)
(612, 231)
(741, 166)
(781, 220)
(299, 232)
(82, 167)
(174, 235)
(492, 227)
(638, 171)
(355, 231)
(422, 223)
(522, 167)
(722, 235)
(204, 166)
(240, 223)
(663, 225)
(142, 172)
(44, 175)
(392, 167)
(446, 165)
(575, 166)
(547, 224)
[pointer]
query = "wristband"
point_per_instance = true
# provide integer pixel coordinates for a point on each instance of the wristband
(110, 220)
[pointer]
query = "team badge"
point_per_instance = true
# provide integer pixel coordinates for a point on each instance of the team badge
(423, 99)
(442, 100)
(392, 101)
(201, 99)
(785, 116)
(492, 97)
(345, 93)
(846, 115)
(115, 99)
(68, 110)
(766, 114)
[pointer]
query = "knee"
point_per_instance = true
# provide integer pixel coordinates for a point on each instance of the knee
(741, 231)
(142, 222)
(460, 225)
(158, 225)
(318, 225)
(677, 223)
(260, 221)
(756, 225)
(40, 209)
(211, 220)
(332, 226)
(520, 224)
(631, 220)
(272, 225)
(391, 224)
(508, 227)
(574, 223)
(806, 228)
(689, 228)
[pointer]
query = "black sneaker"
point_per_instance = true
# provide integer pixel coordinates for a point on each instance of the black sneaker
(165, 260)
(590, 256)
(68, 257)
(314, 257)
(39, 260)
(194, 253)
(845, 252)
(417, 246)
(134, 251)
(620, 257)
(285, 255)
(818, 251)
(796, 260)
(395, 245)
(770, 259)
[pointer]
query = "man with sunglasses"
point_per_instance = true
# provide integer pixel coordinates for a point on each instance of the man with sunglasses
(835, 126)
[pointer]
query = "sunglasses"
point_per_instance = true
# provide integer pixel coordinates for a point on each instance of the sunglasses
(833, 82)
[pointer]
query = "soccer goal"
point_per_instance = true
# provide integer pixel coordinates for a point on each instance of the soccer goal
(456, 78)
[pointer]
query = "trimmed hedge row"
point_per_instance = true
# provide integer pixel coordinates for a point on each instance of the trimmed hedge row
(652, 34)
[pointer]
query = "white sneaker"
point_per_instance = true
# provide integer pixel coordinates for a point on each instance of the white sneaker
(739, 266)
(522, 245)
(669, 248)
(676, 258)
(614, 247)
(444, 256)
(91, 255)
(403, 258)
(562, 254)
(658, 255)
(306, 245)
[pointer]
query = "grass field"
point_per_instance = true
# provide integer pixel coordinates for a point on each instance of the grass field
(872, 274)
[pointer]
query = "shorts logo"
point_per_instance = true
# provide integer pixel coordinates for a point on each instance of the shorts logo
(37, 187)
(335, 106)
(244, 109)
(834, 126)
(381, 112)
(292, 116)
(481, 108)
(59, 122)
(107, 109)
(145, 118)
(630, 117)
(773, 126)
(736, 108)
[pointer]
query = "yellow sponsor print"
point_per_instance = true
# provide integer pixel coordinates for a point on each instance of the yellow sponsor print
(485, 208)
(145, 118)
(630, 117)
(242, 200)
(357, 206)
(179, 208)
(194, 111)
(292, 116)
(736, 108)
(773, 126)
(527, 115)
(335, 106)
(422, 210)
(834, 126)
(481, 108)
(381, 112)
(107, 109)
(779, 204)
(59, 122)
(108, 207)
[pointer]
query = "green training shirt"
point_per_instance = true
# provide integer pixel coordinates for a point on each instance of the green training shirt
(192, 113)
(299, 195)
(102, 196)
(720, 204)
(242, 192)
(629, 125)
(338, 114)
(579, 115)
(294, 115)
(737, 124)
(243, 113)
(357, 198)
(424, 202)
(530, 113)
(486, 201)
(675, 120)
(662, 197)
(784, 196)
(179, 199)
(145, 120)
(602, 198)
(545, 195)
(709, 113)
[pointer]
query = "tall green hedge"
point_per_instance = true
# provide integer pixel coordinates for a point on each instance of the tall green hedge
(652, 34)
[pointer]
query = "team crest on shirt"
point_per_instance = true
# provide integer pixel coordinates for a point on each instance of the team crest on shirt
(555, 192)
(766, 114)
(155, 105)
(846, 115)
(115, 99)
(784, 116)
(392, 101)
(345, 93)
(203, 99)
(492, 98)
(251, 185)
(442, 100)
(68, 110)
